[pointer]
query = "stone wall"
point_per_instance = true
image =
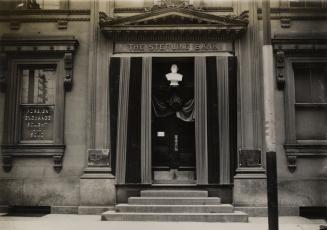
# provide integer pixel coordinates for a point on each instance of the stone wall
(34, 181)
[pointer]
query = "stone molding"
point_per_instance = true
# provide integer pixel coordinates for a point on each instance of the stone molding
(61, 17)
(295, 44)
(11, 151)
(293, 151)
(287, 15)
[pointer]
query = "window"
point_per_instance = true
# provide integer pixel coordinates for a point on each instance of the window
(306, 3)
(37, 102)
(310, 101)
(301, 71)
(36, 72)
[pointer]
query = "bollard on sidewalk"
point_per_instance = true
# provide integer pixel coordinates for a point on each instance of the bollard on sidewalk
(272, 192)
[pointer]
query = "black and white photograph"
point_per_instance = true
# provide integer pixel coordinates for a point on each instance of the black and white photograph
(163, 114)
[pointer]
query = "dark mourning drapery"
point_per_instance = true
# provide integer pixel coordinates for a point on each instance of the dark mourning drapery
(174, 105)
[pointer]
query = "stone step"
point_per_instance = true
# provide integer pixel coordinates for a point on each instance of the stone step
(221, 208)
(189, 217)
(174, 200)
(174, 193)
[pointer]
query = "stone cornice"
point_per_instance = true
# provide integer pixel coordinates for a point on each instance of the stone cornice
(37, 43)
(296, 13)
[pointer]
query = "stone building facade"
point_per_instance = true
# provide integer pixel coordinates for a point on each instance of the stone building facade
(88, 118)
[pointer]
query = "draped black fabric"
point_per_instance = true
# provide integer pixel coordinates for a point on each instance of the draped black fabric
(133, 148)
(113, 98)
(174, 105)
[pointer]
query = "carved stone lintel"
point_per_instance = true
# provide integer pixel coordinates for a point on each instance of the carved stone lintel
(291, 163)
(7, 163)
(68, 81)
(62, 24)
(280, 68)
(57, 162)
(285, 22)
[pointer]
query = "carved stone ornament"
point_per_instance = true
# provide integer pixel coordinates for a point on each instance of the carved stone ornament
(280, 69)
(285, 23)
(7, 162)
(11, 151)
(172, 3)
(68, 81)
(173, 23)
(291, 163)
(57, 162)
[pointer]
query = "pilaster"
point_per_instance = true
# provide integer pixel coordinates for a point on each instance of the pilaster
(97, 178)
(223, 108)
(250, 169)
(146, 163)
(201, 144)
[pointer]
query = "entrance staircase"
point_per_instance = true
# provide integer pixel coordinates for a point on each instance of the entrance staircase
(175, 205)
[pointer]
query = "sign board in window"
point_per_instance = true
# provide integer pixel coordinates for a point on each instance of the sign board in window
(37, 102)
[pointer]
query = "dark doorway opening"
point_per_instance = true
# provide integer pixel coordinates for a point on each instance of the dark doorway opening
(173, 130)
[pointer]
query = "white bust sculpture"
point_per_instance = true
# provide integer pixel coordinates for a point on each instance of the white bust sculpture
(174, 77)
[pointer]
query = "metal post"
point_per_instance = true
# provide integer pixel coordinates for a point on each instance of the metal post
(272, 191)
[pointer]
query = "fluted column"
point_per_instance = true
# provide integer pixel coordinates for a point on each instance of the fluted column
(146, 164)
(223, 108)
(201, 145)
(122, 119)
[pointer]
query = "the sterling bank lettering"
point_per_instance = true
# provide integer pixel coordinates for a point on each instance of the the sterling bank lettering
(165, 47)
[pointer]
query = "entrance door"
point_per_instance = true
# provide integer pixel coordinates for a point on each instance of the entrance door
(173, 130)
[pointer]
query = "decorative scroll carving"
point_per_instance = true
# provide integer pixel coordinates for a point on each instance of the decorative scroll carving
(68, 81)
(56, 152)
(103, 17)
(7, 162)
(62, 24)
(280, 69)
(57, 162)
(173, 4)
(291, 163)
(285, 22)
(3, 72)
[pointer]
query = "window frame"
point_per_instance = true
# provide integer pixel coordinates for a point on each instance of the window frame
(290, 101)
(298, 148)
(59, 92)
(18, 49)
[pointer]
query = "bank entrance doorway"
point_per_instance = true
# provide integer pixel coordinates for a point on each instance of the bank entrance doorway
(173, 121)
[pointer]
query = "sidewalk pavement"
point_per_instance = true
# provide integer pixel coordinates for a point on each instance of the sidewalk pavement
(92, 222)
